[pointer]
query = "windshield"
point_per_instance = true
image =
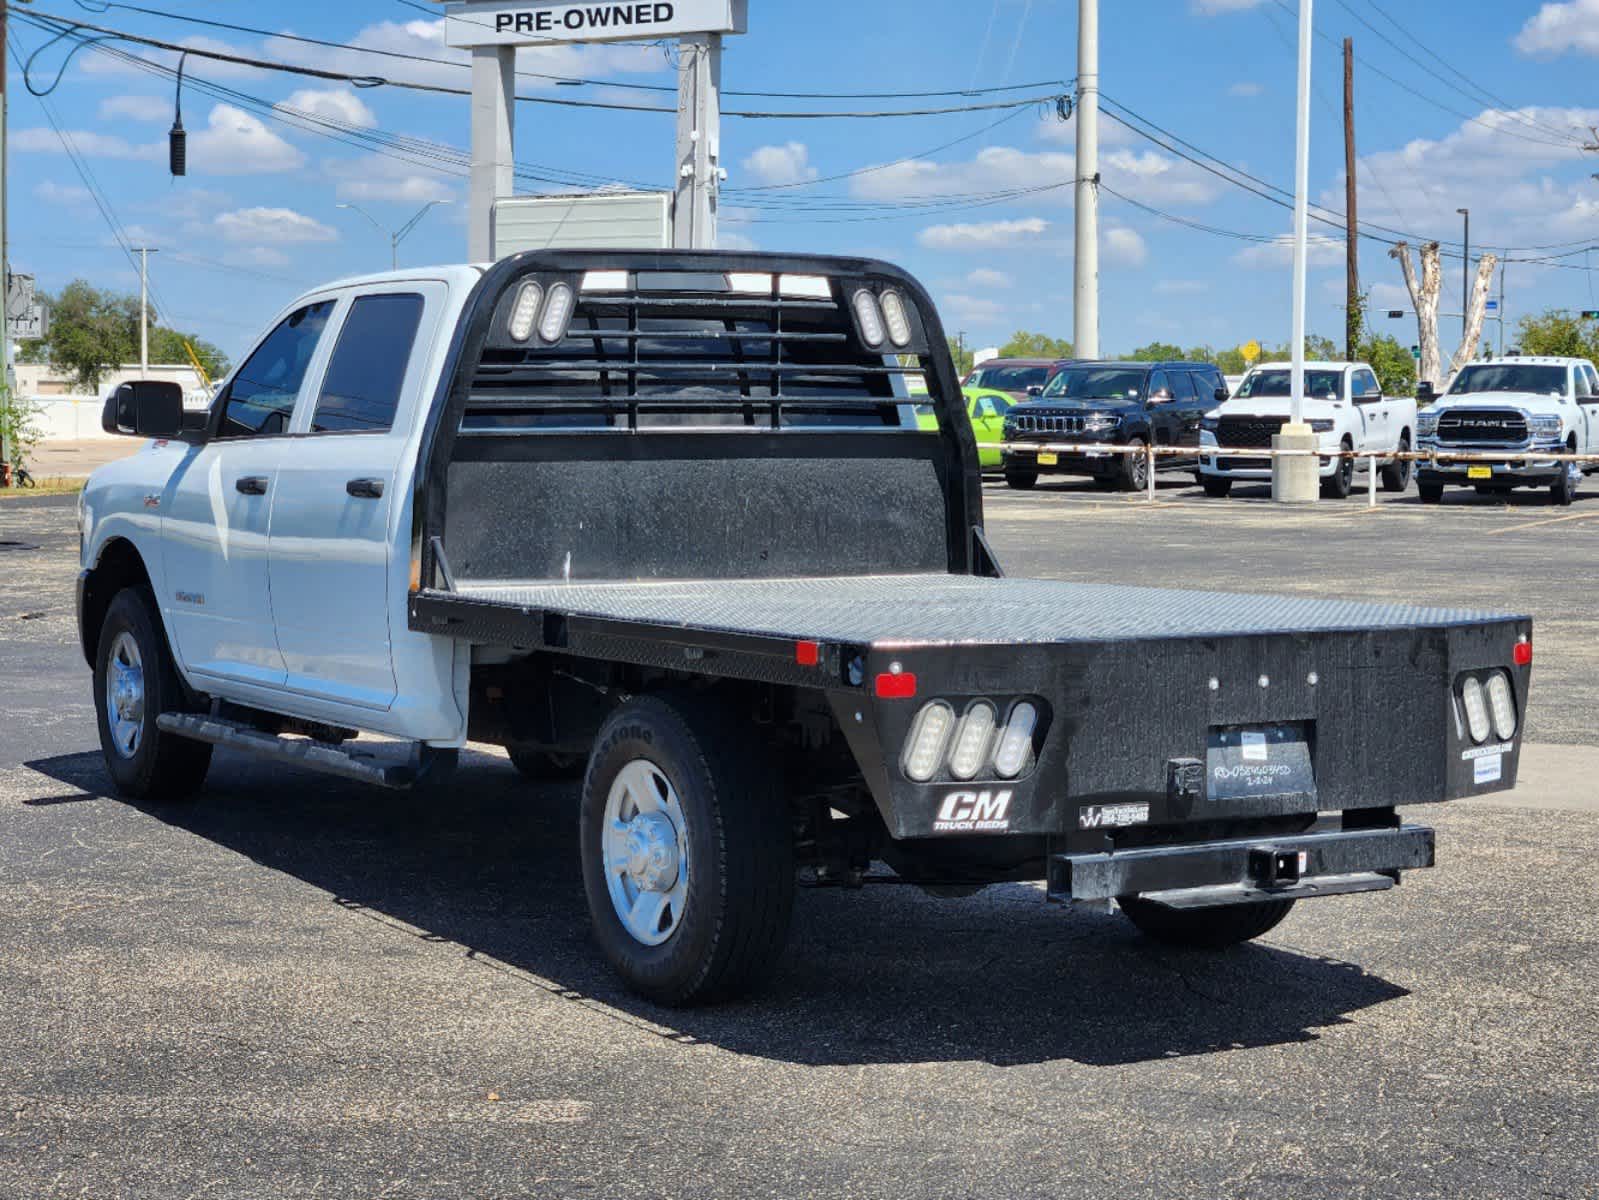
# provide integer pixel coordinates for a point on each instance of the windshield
(1277, 383)
(1008, 379)
(1097, 383)
(1510, 377)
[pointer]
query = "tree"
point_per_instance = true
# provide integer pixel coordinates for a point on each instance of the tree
(1035, 345)
(1154, 352)
(1476, 309)
(94, 331)
(1556, 332)
(1396, 369)
(961, 355)
(1424, 299)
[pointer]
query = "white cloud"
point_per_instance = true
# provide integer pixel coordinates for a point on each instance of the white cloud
(988, 277)
(1245, 88)
(136, 108)
(1123, 247)
(276, 226)
(1556, 28)
(87, 143)
(236, 143)
(1279, 252)
(379, 177)
(54, 193)
(788, 163)
(340, 105)
(987, 235)
(1210, 8)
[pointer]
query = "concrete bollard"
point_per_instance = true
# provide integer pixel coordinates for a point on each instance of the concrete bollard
(1295, 479)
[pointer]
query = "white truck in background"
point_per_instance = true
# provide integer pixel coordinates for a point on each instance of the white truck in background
(1345, 406)
(1511, 405)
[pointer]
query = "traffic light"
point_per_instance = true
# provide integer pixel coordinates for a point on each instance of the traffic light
(1395, 314)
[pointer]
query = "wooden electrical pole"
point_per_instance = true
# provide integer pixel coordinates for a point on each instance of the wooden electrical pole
(1351, 232)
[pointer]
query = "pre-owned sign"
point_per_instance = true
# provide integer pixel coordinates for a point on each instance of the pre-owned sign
(532, 22)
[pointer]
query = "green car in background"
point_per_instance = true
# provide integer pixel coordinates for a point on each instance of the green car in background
(986, 408)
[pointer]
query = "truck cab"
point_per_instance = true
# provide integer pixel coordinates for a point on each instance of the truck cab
(1517, 406)
(1345, 406)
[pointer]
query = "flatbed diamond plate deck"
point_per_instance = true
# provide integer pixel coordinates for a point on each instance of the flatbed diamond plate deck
(955, 609)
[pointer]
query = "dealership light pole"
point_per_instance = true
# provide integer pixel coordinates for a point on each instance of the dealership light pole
(396, 236)
(1295, 479)
(1085, 321)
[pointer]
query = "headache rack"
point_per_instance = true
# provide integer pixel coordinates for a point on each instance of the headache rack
(685, 355)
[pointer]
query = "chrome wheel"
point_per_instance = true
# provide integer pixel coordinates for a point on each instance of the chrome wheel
(124, 695)
(645, 852)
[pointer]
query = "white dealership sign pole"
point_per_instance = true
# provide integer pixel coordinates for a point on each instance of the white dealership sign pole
(1085, 288)
(1296, 480)
(494, 30)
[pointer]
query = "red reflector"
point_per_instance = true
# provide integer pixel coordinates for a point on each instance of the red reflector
(1523, 654)
(807, 654)
(896, 687)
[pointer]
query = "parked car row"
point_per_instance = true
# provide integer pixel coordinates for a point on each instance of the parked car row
(1509, 405)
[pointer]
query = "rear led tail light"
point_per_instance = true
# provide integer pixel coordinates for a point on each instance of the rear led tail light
(807, 654)
(869, 318)
(1016, 743)
(894, 316)
(1477, 720)
(924, 749)
(1502, 704)
(557, 312)
(893, 685)
(1522, 655)
(972, 740)
(526, 312)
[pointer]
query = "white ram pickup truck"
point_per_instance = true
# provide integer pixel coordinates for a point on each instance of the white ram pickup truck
(667, 521)
(1511, 405)
(1344, 404)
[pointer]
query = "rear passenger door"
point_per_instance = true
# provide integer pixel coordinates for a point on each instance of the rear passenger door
(335, 517)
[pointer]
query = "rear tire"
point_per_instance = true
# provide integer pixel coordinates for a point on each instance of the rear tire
(1431, 493)
(1205, 928)
(1022, 481)
(1396, 475)
(1218, 489)
(1341, 482)
(1133, 473)
(135, 681)
(729, 873)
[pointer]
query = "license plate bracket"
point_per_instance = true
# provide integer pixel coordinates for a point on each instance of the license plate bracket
(1261, 768)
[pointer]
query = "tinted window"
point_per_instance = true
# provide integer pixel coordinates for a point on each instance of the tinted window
(1182, 387)
(261, 396)
(362, 388)
(1008, 379)
(1373, 388)
(1510, 377)
(1357, 386)
(1096, 383)
(1590, 381)
(1320, 384)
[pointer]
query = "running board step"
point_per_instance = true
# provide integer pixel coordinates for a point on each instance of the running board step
(323, 757)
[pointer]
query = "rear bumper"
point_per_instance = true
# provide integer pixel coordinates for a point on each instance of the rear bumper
(1231, 872)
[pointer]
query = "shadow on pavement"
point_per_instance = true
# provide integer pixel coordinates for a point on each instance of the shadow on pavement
(883, 975)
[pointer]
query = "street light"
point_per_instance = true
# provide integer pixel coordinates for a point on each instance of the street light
(1465, 273)
(399, 235)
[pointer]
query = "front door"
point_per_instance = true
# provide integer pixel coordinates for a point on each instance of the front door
(333, 521)
(217, 508)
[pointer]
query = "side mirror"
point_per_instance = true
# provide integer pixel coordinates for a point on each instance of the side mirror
(145, 408)
(1425, 392)
(1034, 392)
(1222, 395)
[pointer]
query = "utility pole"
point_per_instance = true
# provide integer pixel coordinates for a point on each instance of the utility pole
(144, 310)
(5, 251)
(1351, 225)
(1085, 331)
(1465, 273)
(699, 141)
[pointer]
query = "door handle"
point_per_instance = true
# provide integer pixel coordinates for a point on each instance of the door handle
(365, 489)
(251, 485)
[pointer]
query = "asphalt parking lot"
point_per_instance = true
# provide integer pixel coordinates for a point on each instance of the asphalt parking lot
(300, 987)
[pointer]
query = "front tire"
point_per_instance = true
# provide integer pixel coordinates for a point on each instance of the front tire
(1133, 474)
(1205, 928)
(1022, 481)
(1217, 489)
(1341, 482)
(688, 857)
(1431, 493)
(135, 681)
(1396, 475)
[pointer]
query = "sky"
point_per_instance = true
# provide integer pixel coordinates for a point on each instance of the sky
(1458, 104)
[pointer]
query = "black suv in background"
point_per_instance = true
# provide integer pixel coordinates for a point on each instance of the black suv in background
(1119, 403)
